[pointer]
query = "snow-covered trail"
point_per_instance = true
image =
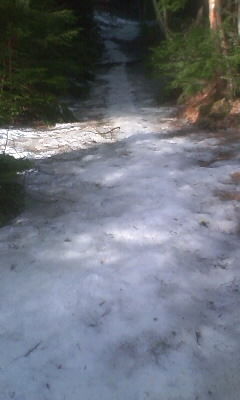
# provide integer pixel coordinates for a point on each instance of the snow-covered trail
(121, 279)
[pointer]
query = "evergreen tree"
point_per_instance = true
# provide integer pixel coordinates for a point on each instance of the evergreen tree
(202, 47)
(42, 50)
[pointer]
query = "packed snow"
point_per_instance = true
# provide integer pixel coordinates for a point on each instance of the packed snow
(121, 279)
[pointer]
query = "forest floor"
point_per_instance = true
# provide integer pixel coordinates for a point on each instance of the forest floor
(121, 279)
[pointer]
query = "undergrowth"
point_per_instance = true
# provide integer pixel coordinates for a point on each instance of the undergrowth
(45, 51)
(12, 193)
(192, 59)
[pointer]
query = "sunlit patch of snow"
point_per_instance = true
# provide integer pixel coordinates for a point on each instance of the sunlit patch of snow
(37, 144)
(140, 236)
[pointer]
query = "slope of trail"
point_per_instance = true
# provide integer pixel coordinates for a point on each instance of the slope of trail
(121, 279)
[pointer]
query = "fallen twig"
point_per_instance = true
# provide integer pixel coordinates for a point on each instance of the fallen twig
(112, 130)
(27, 354)
(30, 351)
(107, 132)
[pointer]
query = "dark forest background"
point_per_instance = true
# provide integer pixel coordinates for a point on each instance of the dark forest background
(46, 48)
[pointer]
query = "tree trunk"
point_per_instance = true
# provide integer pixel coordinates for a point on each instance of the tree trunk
(215, 14)
(238, 16)
(10, 59)
(215, 19)
(162, 19)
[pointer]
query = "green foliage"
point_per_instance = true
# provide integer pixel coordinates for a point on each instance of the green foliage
(192, 59)
(42, 50)
(171, 5)
(194, 55)
(11, 188)
(10, 167)
(11, 201)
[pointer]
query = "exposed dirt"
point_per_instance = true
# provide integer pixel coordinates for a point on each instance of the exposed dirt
(211, 109)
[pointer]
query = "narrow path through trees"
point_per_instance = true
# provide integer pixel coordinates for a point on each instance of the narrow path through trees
(121, 279)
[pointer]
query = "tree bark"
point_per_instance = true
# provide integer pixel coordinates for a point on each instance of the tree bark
(238, 16)
(215, 14)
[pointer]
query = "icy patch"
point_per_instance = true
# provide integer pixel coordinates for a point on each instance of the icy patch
(113, 30)
(121, 280)
(116, 27)
(63, 138)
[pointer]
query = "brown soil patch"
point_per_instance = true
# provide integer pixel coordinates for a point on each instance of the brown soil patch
(236, 177)
(224, 155)
(210, 108)
(235, 108)
(228, 195)
(225, 136)
(221, 156)
(199, 106)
